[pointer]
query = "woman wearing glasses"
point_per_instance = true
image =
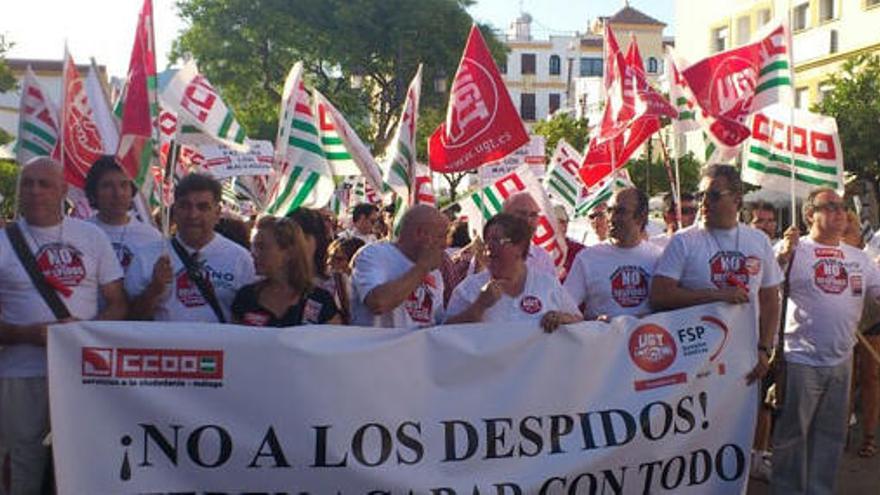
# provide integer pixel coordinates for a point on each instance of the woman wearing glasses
(508, 290)
(286, 296)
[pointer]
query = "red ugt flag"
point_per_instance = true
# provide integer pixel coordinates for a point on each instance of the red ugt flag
(482, 125)
(81, 142)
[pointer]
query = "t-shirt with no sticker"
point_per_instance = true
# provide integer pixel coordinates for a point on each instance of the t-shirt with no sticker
(541, 293)
(378, 263)
(78, 255)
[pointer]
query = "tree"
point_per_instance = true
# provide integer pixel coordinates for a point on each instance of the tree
(650, 175)
(7, 80)
(855, 102)
(8, 179)
(563, 126)
(246, 47)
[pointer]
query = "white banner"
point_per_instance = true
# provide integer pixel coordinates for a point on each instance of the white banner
(655, 405)
(221, 161)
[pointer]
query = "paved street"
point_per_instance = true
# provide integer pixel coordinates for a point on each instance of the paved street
(858, 476)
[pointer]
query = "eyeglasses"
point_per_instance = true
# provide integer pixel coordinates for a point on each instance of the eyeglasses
(831, 207)
(710, 196)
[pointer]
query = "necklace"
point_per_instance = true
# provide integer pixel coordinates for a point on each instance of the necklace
(39, 245)
(718, 244)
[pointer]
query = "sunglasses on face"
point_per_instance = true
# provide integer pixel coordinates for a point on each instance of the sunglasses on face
(710, 196)
(832, 207)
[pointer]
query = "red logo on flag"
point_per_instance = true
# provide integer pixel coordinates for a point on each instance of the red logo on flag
(482, 125)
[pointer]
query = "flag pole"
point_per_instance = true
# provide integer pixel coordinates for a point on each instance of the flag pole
(677, 192)
(790, 41)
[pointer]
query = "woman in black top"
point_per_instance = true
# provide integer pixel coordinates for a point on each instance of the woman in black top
(286, 296)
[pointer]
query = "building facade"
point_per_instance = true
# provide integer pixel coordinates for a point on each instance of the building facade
(824, 32)
(564, 73)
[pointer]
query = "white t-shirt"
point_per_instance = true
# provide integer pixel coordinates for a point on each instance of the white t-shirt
(541, 293)
(382, 262)
(226, 265)
(661, 240)
(130, 239)
(827, 288)
(612, 280)
(701, 258)
(354, 233)
(539, 259)
(78, 255)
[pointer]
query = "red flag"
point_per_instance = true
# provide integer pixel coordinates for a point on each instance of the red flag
(80, 142)
(139, 102)
(482, 125)
(731, 85)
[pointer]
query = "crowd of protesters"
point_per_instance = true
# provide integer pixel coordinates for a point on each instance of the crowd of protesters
(305, 269)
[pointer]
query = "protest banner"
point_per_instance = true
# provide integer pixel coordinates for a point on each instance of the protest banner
(812, 140)
(222, 161)
(657, 405)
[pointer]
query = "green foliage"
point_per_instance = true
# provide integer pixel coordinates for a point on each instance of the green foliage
(563, 126)
(651, 176)
(855, 103)
(7, 80)
(8, 178)
(246, 47)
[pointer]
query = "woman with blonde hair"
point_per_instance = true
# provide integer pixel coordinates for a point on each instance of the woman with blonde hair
(286, 296)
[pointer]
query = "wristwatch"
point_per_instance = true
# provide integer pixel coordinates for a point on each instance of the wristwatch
(766, 350)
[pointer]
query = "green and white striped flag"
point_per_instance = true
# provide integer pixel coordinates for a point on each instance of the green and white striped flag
(681, 97)
(487, 201)
(562, 182)
(37, 121)
(602, 193)
(818, 157)
(400, 155)
(345, 151)
(195, 101)
(302, 175)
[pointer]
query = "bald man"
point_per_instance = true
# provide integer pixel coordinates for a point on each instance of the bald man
(397, 284)
(523, 205)
(78, 263)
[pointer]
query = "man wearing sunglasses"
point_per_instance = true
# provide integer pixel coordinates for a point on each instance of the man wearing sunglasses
(722, 260)
(829, 281)
(670, 216)
(612, 278)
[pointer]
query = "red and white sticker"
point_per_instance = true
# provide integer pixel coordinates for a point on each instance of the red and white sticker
(255, 318)
(61, 262)
(753, 265)
(629, 286)
(727, 264)
(530, 304)
(830, 276)
(187, 291)
(652, 348)
(420, 305)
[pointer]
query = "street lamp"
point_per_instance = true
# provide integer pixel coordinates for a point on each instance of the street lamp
(440, 81)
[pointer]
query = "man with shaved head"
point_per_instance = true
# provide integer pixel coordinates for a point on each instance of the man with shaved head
(74, 263)
(397, 284)
(523, 205)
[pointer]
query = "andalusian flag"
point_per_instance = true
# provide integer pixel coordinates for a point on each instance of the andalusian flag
(813, 141)
(680, 97)
(603, 193)
(562, 180)
(302, 174)
(138, 107)
(195, 101)
(345, 151)
(37, 121)
(401, 153)
(484, 203)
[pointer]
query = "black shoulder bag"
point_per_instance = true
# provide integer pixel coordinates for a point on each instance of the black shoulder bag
(26, 257)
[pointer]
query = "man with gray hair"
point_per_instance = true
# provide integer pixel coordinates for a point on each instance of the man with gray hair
(398, 284)
(42, 255)
(523, 205)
